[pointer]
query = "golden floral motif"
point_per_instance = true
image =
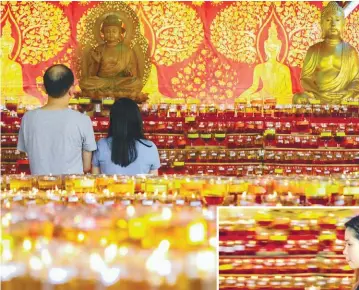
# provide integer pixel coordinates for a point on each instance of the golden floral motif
(351, 31)
(83, 2)
(177, 28)
(301, 21)
(65, 3)
(216, 2)
(197, 3)
(234, 30)
(45, 30)
(211, 80)
(3, 6)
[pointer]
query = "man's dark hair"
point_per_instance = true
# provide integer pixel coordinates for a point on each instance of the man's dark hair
(58, 80)
(126, 128)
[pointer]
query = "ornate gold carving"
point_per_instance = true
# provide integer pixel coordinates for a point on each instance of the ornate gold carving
(88, 33)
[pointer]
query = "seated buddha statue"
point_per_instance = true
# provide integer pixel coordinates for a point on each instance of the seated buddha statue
(330, 71)
(275, 76)
(11, 73)
(111, 68)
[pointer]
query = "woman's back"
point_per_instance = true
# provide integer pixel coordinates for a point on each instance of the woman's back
(146, 161)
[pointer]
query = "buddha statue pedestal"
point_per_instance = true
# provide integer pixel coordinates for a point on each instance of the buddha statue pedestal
(97, 96)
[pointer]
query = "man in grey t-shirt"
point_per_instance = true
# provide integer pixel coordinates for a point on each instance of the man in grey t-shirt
(57, 139)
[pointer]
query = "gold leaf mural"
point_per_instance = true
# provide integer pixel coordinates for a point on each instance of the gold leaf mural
(351, 32)
(177, 28)
(198, 3)
(302, 24)
(206, 78)
(44, 30)
(234, 30)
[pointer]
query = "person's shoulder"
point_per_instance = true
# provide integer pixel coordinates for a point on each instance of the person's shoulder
(31, 113)
(103, 141)
(103, 144)
(147, 143)
(77, 115)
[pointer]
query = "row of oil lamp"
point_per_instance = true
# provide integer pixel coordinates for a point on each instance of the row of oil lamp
(229, 141)
(171, 166)
(60, 247)
(180, 107)
(296, 249)
(284, 265)
(324, 127)
(290, 282)
(266, 235)
(182, 190)
(221, 156)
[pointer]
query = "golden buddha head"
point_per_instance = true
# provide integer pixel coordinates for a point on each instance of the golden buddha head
(112, 29)
(7, 41)
(332, 21)
(272, 45)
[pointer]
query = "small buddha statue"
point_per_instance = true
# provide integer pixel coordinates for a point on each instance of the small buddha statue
(330, 71)
(11, 72)
(111, 68)
(275, 76)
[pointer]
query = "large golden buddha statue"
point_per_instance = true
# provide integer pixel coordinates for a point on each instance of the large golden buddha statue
(11, 73)
(274, 75)
(331, 68)
(111, 69)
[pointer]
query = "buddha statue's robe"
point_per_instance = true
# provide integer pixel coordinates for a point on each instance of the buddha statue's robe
(331, 76)
(111, 69)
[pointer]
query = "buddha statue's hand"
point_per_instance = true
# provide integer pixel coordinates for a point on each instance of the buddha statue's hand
(96, 55)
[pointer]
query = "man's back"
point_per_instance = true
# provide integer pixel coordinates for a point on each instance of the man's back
(54, 140)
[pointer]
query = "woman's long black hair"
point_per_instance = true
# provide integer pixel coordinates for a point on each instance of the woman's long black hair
(125, 128)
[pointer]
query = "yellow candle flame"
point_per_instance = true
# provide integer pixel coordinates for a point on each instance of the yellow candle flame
(27, 245)
(80, 237)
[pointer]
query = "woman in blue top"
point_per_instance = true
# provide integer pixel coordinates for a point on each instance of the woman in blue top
(125, 151)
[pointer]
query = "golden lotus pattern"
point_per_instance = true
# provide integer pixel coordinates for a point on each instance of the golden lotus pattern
(44, 30)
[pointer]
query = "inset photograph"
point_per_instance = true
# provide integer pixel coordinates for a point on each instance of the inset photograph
(288, 248)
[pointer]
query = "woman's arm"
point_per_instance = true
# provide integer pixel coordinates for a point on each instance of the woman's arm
(96, 170)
